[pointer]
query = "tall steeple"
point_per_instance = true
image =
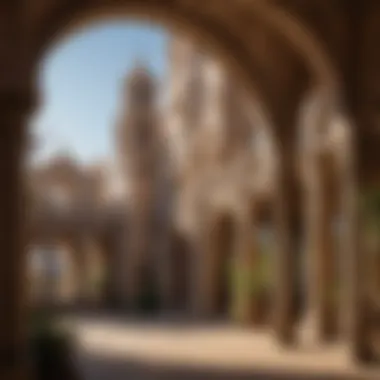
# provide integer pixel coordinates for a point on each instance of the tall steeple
(137, 138)
(139, 147)
(141, 87)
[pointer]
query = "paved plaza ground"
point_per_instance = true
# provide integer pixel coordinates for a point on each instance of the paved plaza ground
(114, 348)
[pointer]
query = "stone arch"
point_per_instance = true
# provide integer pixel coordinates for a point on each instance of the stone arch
(225, 32)
(228, 36)
(223, 42)
(293, 31)
(300, 38)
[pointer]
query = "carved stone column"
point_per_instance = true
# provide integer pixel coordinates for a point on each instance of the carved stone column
(15, 108)
(322, 276)
(287, 245)
(354, 297)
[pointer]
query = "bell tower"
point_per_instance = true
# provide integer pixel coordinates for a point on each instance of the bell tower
(139, 150)
(137, 135)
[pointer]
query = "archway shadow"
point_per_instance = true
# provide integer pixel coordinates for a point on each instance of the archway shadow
(101, 368)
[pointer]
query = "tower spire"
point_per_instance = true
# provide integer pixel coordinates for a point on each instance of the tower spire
(140, 84)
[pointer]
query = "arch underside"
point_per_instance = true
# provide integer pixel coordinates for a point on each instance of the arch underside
(273, 56)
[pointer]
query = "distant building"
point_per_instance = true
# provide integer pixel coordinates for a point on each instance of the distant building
(179, 172)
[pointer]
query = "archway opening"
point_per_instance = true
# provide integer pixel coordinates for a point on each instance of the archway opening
(132, 223)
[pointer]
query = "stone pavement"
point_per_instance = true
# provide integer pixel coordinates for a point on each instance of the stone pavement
(116, 349)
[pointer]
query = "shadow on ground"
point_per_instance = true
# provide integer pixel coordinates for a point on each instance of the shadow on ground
(104, 368)
(116, 347)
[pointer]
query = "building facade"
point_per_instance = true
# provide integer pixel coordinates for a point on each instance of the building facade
(188, 170)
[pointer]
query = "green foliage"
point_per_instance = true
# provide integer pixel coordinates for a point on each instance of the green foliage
(370, 207)
(253, 279)
(370, 213)
(249, 284)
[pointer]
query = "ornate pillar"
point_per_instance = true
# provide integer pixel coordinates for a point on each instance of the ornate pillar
(287, 241)
(15, 108)
(321, 255)
(287, 206)
(354, 297)
(322, 275)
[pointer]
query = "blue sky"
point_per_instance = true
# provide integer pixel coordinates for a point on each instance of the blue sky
(81, 83)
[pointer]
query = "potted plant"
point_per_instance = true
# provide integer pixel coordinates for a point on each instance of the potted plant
(52, 350)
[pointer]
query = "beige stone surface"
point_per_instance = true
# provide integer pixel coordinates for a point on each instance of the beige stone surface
(152, 348)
